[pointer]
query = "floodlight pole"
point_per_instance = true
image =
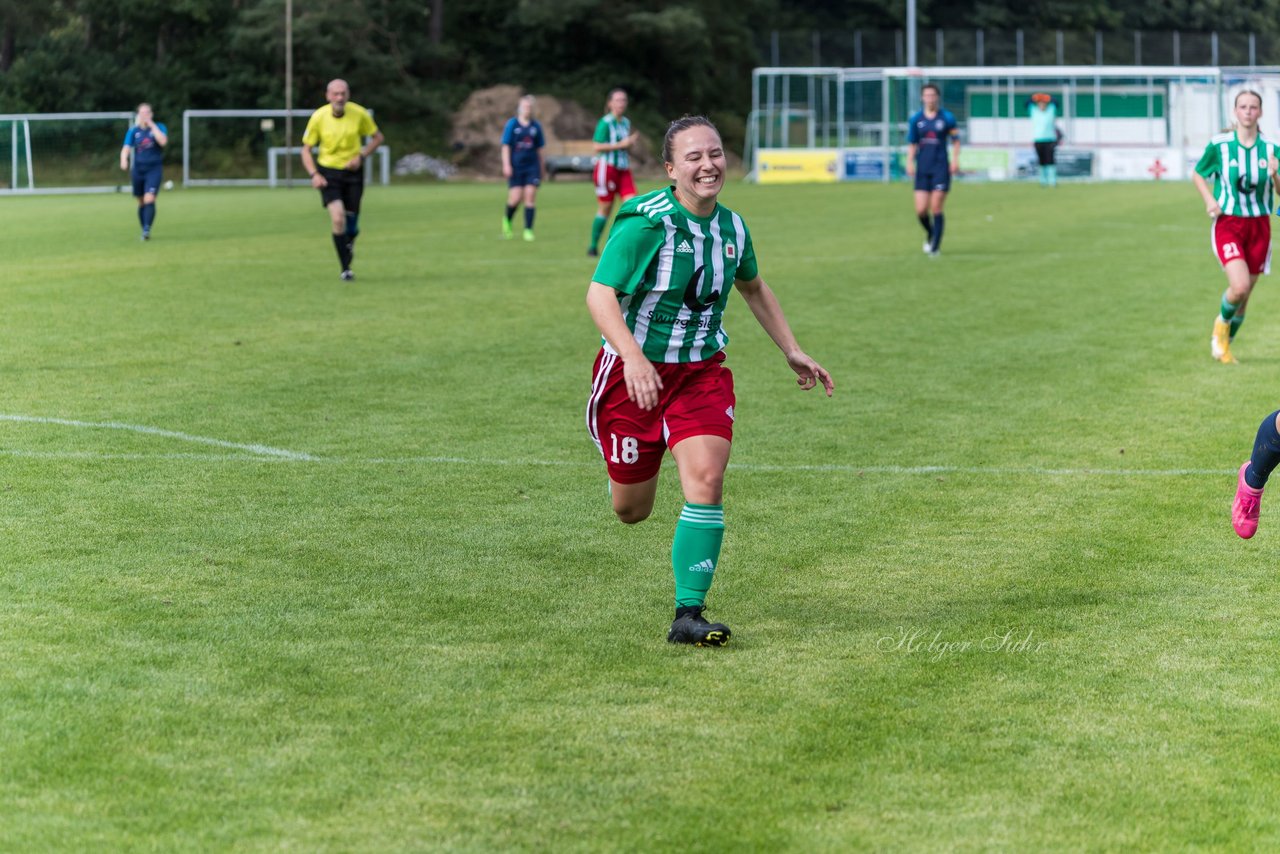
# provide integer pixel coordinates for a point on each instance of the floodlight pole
(288, 91)
(911, 33)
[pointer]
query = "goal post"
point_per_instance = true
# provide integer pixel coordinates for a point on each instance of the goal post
(1118, 122)
(228, 148)
(62, 152)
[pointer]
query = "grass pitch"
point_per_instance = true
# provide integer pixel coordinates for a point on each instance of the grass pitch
(356, 586)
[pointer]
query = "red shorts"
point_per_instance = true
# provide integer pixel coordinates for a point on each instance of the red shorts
(1243, 238)
(696, 400)
(612, 181)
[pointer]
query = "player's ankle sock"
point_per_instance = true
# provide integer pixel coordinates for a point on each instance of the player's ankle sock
(353, 226)
(528, 216)
(1266, 453)
(695, 550)
(939, 222)
(1236, 323)
(1228, 309)
(1053, 175)
(926, 225)
(148, 215)
(343, 244)
(597, 226)
(511, 211)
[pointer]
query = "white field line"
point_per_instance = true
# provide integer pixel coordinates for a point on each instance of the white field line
(257, 450)
(264, 453)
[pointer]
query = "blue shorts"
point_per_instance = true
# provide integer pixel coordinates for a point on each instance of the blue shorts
(933, 181)
(525, 176)
(148, 180)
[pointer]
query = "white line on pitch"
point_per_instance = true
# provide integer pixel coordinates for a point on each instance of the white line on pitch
(260, 450)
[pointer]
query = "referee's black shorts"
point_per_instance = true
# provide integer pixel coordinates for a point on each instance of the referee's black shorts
(345, 185)
(1044, 151)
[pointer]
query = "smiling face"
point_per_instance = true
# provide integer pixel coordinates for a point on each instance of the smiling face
(1248, 109)
(697, 166)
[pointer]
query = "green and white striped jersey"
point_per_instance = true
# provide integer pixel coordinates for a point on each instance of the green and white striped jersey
(1243, 186)
(612, 130)
(673, 272)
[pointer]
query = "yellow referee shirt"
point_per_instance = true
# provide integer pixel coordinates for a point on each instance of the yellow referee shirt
(339, 137)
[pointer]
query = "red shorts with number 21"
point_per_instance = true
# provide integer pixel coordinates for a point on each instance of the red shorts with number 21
(1243, 238)
(696, 400)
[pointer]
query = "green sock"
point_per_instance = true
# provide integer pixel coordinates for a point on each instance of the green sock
(695, 550)
(1228, 309)
(597, 226)
(1236, 323)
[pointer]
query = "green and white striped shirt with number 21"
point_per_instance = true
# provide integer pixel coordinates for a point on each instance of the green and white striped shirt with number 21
(673, 272)
(1244, 185)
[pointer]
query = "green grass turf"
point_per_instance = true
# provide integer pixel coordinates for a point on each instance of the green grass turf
(431, 633)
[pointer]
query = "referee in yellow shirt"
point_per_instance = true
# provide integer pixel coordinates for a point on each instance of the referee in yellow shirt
(339, 130)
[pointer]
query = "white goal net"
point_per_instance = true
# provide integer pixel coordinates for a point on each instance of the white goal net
(62, 152)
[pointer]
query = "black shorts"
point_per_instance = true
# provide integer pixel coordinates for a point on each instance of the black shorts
(344, 186)
(1044, 150)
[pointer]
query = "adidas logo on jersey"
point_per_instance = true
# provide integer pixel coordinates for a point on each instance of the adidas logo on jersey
(684, 247)
(703, 566)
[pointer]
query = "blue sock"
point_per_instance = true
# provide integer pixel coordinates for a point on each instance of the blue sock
(353, 225)
(939, 222)
(528, 216)
(142, 217)
(148, 216)
(927, 225)
(1266, 453)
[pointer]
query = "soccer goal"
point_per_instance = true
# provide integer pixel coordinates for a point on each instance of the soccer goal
(248, 148)
(1116, 122)
(62, 152)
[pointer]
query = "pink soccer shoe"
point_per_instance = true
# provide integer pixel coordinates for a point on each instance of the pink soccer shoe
(1245, 509)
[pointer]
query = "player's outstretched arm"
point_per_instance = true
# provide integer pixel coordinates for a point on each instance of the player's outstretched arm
(643, 382)
(764, 305)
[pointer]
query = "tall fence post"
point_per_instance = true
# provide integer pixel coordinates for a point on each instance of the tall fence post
(978, 39)
(1061, 51)
(1177, 48)
(1019, 40)
(1137, 47)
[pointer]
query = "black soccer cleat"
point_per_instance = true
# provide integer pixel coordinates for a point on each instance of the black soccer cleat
(690, 627)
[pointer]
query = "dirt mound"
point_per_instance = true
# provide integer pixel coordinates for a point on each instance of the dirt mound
(477, 128)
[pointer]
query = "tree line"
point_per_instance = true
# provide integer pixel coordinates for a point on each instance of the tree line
(416, 60)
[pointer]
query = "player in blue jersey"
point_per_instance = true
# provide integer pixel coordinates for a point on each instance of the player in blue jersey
(522, 141)
(145, 141)
(928, 132)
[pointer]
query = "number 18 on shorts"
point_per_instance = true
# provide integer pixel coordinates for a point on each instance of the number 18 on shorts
(696, 400)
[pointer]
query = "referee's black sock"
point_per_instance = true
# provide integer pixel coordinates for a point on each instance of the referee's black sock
(343, 245)
(926, 225)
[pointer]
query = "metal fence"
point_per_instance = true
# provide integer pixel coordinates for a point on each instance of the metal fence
(880, 48)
